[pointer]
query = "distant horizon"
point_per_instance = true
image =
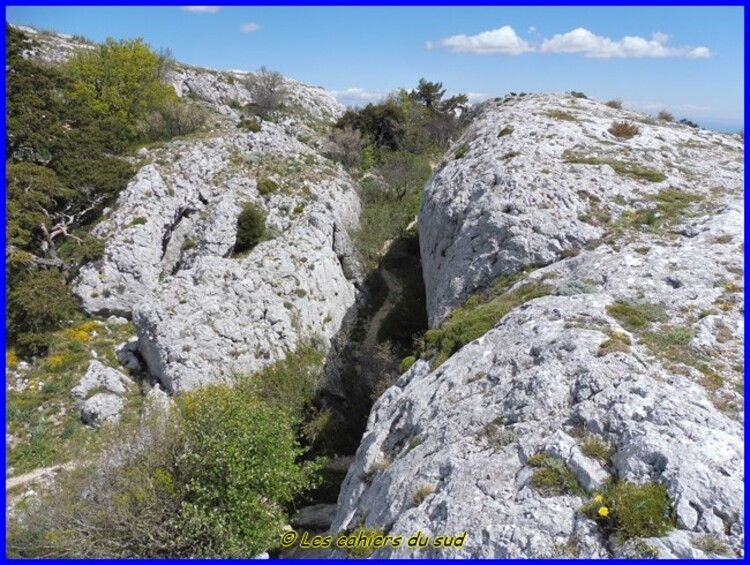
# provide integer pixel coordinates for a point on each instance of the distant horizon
(688, 60)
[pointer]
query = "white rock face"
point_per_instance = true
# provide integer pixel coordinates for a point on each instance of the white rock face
(446, 450)
(225, 89)
(203, 316)
(514, 199)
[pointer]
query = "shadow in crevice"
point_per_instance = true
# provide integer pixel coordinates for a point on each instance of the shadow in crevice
(377, 334)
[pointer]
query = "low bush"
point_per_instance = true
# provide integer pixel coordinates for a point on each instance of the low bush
(251, 225)
(576, 94)
(615, 103)
(624, 130)
(632, 511)
(267, 186)
(666, 116)
(36, 305)
(213, 478)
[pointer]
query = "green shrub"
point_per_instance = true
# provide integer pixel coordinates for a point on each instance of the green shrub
(213, 479)
(632, 511)
(119, 80)
(37, 304)
(576, 94)
(507, 130)
(407, 363)
(267, 186)
(251, 225)
(172, 119)
(462, 151)
(289, 384)
(624, 130)
(138, 221)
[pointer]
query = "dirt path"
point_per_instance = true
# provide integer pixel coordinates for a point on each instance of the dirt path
(394, 294)
(35, 475)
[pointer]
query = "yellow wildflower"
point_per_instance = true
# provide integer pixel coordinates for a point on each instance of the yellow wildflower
(604, 512)
(599, 498)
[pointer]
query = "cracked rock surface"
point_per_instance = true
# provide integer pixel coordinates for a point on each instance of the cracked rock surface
(447, 449)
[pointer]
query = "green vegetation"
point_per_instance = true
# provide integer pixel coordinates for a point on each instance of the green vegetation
(42, 417)
(553, 477)
(636, 314)
(617, 342)
(249, 124)
(621, 168)
(461, 151)
(390, 202)
(67, 130)
(632, 511)
(267, 186)
(624, 130)
(251, 225)
(560, 115)
(711, 545)
(479, 315)
(577, 94)
(214, 480)
(507, 130)
(597, 449)
(615, 103)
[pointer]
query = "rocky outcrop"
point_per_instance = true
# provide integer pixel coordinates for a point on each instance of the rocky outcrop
(533, 176)
(447, 449)
(201, 314)
(226, 91)
(99, 395)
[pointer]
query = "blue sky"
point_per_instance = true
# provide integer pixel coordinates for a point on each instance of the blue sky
(688, 60)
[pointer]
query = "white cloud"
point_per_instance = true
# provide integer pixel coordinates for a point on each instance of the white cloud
(201, 9)
(700, 53)
(501, 41)
(355, 96)
(505, 41)
(477, 97)
(249, 27)
(594, 46)
(660, 37)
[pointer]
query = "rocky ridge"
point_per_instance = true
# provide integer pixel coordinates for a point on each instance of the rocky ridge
(650, 225)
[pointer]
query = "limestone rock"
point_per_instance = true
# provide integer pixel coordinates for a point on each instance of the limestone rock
(446, 448)
(202, 315)
(101, 377)
(102, 408)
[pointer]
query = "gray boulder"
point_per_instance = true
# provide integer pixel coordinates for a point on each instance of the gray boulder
(100, 377)
(102, 408)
